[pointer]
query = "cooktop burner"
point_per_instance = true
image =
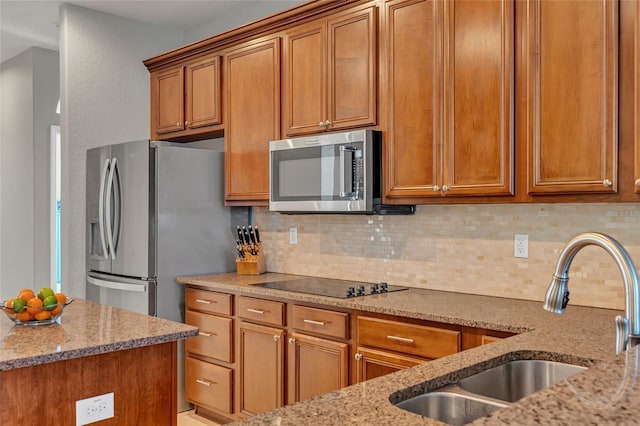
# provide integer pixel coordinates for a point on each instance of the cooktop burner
(332, 288)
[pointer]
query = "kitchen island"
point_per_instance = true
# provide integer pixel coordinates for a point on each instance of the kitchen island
(607, 393)
(93, 350)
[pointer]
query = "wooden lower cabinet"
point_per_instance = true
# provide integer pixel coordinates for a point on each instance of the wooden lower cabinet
(372, 363)
(209, 385)
(261, 366)
(315, 366)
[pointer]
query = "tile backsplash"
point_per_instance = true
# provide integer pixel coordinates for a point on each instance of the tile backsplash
(461, 248)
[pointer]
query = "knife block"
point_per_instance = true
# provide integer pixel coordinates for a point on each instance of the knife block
(251, 265)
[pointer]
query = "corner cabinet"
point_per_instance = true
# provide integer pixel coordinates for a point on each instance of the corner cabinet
(570, 119)
(185, 99)
(330, 73)
(451, 99)
(252, 108)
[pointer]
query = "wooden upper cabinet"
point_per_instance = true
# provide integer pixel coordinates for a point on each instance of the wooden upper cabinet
(167, 101)
(636, 175)
(449, 71)
(330, 73)
(478, 138)
(252, 108)
(571, 79)
(185, 100)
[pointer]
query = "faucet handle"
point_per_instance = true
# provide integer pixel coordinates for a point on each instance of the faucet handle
(622, 334)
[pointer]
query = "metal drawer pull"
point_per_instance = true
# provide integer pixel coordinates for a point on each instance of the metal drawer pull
(255, 311)
(308, 321)
(202, 333)
(206, 302)
(205, 382)
(400, 339)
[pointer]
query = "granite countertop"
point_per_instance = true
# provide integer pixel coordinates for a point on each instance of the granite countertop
(606, 393)
(85, 328)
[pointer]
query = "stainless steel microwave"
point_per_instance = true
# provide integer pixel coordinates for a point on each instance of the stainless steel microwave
(329, 173)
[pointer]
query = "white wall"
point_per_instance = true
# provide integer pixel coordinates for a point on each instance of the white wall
(240, 16)
(29, 94)
(105, 99)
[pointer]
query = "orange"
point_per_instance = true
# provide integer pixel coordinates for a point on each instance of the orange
(34, 305)
(56, 310)
(26, 294)
(43, 315)
(24, 316)
(9, 305)
(62, 298)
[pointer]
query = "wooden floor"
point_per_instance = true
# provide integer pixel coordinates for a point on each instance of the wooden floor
(190, 418)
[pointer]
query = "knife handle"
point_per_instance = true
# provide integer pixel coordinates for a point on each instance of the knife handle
(255, 229)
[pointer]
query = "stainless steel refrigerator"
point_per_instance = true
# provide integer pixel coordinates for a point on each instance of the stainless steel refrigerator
(155, 211)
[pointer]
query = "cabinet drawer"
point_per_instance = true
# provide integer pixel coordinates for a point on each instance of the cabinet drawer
(209, 385)
(428, 342)
(209, 301)
(214, 336)
(265, 311)
(320, 321)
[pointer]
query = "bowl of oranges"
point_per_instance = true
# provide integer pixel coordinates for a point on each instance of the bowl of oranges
(29, 308)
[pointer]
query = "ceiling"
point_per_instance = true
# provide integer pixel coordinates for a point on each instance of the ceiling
(26, 23)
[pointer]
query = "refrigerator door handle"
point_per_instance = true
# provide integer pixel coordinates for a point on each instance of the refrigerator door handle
(103, 177)
(117, 223)
(112, 250)
(140, 288)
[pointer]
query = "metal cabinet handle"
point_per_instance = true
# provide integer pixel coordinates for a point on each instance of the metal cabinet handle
(638, 182)
(186, 123)
(308, 321)
(321, 124)
(327, 123)
(178, 124)
(206, 302)
(204, 334)
(205, 382)
(291, 340)
(436, 188)
(400, 339)
(445, 188)
(358, 357)
(276, 338)
(607, 183)
(255, 311)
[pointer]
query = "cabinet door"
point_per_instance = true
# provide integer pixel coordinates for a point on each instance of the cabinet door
(413, 62)
(253, 119)
(304, 79)
(202, 100)
(352, 69)
(315, 366)
(478, 98)
(167, 101)
(636, 175)
(371, 363)
(261, 358)
(571, 104)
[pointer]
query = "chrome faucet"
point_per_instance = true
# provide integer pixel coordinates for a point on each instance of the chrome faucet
(628, 327)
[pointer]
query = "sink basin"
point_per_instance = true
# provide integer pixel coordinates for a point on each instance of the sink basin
(517, 379)
(449, 408)
(498, 387)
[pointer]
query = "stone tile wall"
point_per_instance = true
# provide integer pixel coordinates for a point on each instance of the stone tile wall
(461, 248)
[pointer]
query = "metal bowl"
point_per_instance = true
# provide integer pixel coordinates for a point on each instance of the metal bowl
(33, 322)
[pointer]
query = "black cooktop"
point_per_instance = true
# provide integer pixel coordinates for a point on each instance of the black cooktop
(332, 288)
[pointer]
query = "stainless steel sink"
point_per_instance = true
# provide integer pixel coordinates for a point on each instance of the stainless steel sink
(450, 408)
(516, 379)
(479, 395)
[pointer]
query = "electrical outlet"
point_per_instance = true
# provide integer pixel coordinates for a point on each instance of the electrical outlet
(293, 235)
(521, 245)
(94, 409)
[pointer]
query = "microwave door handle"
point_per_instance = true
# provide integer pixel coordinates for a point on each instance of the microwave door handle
(343, 172)
(109, 218)
(103, 177)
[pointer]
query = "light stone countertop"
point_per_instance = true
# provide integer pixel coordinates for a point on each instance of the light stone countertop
(606, 394)
(85, 328)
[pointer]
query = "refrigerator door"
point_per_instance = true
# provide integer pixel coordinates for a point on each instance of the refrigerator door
(129, 210)
(98, 167)
(194, 234)
(131, 294)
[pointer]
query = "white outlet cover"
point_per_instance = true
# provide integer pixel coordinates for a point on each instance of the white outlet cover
(521, 245)
(293, 235)
(94, 409)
